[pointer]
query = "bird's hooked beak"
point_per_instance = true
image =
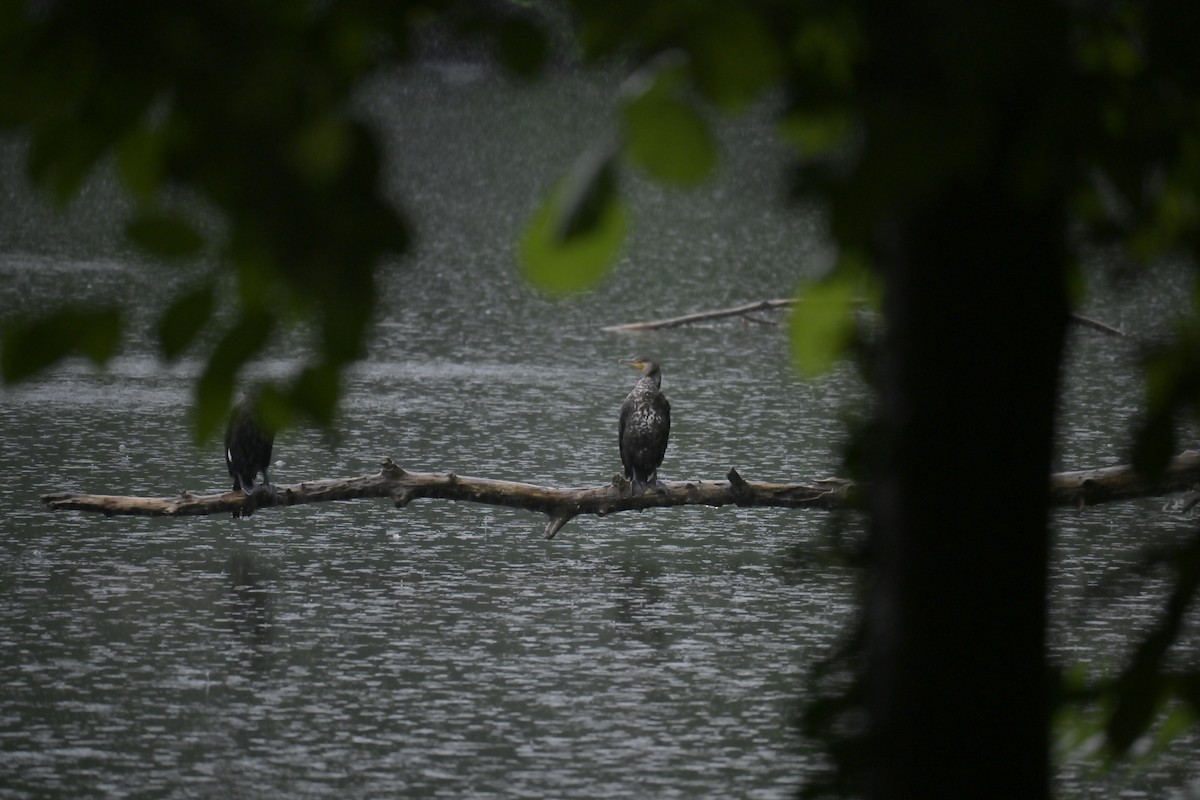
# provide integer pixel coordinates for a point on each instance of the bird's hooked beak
(636, 363)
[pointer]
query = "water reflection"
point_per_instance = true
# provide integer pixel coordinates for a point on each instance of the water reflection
(635, 606)
(249, 612)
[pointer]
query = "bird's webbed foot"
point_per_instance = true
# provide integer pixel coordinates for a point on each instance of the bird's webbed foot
(264, 491)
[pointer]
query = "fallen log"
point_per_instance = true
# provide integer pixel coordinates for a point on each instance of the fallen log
(1078, 488)
(1088, 487)
(560, 505)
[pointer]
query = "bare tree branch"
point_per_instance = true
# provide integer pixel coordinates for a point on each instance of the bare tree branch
(402, 487)
(561, 505)
(701, 316)
(748, 309)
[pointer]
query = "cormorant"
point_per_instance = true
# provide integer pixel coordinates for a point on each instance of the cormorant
(645, 425)
(248, 446)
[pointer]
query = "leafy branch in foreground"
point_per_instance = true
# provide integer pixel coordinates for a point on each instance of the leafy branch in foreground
(255, 164)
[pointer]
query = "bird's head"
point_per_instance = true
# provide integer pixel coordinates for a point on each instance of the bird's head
(643, 364)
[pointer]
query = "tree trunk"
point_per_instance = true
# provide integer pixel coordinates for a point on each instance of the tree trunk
(957, 672)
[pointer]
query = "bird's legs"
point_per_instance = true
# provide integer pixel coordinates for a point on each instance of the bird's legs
(266, 484)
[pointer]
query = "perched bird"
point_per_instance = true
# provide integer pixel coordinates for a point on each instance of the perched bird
(645, 425)
(248, 446)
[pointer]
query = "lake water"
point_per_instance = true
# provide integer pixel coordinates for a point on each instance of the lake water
(447, 650)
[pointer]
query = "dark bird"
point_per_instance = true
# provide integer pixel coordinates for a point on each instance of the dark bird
(248, 446)
(645, 425)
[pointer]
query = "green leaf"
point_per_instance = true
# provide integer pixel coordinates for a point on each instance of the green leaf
(31, 345)
(347, 312)
(577, 232)
(214, 390)
(140, 162)
(214, 396)
(668, 138)
(822, 323)
(60, 159)
(1179, 720)
(166, 235)
(1079, 730)
(99, 334)
(521, 46)
(321, 150)
(184, 319)
(1169, 374)
(1139, 698)
(1153, 445)
(826, 48)
(1109, 52)
(316, 391)
(585, 196)
(735, 56)
(275, 408)
(814, 132)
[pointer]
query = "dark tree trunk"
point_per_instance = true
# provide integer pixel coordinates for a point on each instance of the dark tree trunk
(956, 621)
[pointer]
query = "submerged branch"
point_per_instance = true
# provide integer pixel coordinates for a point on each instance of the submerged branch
(561, 505)
(702, 316)
(769, 305)
(1097, 325)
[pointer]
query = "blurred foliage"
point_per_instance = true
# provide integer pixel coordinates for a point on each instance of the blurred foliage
(822, 322)
(243, 107)
(665, 133)
(1147, 687)
(31, 342)
(576, 234)
(187, 315)
(1154, 697)
(1091, 110)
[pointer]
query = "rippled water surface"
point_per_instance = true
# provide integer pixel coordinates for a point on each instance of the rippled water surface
(447, 650)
